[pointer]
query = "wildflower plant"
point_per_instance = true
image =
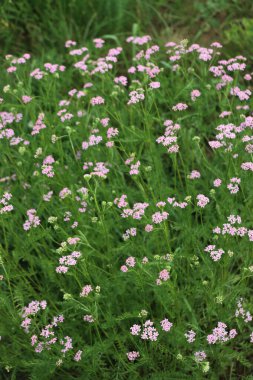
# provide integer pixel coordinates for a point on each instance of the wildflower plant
(125, 212)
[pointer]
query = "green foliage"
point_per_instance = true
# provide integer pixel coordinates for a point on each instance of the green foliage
(240, 34)
(200, 291)
(38, 26)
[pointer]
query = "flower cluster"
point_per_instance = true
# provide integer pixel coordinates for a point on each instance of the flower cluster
(31, 310)
(87, 289)
(215, 254)
(33, 220)
(169, 138)
(133, 355)
(68, 261)
(220, 334)
(5, 203)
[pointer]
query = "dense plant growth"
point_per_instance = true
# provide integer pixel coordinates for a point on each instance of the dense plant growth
(126, 226)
